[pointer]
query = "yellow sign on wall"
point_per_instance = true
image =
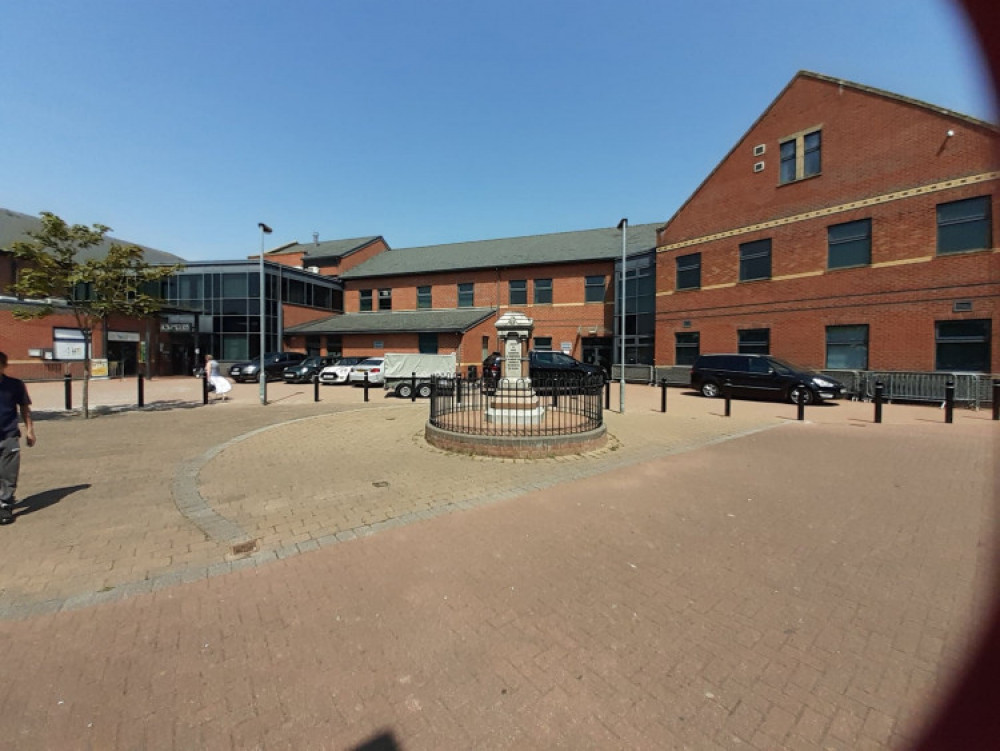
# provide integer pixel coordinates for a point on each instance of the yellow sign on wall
(99, 368)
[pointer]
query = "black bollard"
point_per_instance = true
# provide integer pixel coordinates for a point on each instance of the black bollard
(727, 392)
(366, 385)
(663, 395)
(204, 387)
(996, 400)
(879, 389)
(607, 395)
(949, 401)
(555, 391)
(413, 386)
(141, 387)
(800, 408)
(68, 381)
(458, 388)
(315, 387)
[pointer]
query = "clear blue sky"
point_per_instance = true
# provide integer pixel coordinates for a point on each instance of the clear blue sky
(182, 124)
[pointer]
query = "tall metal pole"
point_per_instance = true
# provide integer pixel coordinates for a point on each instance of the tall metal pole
(264, 230)
(623, 226)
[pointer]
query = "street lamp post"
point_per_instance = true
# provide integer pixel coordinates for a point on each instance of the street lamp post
(623, 226)
(264, 230)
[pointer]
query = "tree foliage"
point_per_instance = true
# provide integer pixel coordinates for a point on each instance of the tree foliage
(53, 271)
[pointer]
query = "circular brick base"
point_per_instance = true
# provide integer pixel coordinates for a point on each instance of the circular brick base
(516, 447)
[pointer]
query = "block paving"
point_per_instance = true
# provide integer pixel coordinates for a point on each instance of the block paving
(313, 575)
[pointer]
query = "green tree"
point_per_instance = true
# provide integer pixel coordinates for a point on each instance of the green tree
(119, 282)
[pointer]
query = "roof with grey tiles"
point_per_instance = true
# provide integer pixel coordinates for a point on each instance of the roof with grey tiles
(396, 321)
(327, 248)
(15, 226)
(563, 247)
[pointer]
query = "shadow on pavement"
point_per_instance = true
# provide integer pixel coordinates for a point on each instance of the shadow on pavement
(380, 742)
(113, 409)
(46, 498)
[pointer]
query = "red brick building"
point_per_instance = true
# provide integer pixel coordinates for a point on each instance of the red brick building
(848, 228)
(446, 298)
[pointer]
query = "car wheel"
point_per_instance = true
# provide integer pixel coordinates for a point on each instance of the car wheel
(404, 390)
(424, 390)
(710, 390)
(801, 394)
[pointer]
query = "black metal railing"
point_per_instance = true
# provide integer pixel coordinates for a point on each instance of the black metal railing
(482, 406)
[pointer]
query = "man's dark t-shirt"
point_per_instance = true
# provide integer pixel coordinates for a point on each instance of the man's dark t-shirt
(13, 394)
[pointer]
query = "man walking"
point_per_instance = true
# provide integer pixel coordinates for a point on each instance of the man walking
(13, 397)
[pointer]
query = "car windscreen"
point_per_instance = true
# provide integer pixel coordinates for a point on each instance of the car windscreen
(309, 361)
(786, 368)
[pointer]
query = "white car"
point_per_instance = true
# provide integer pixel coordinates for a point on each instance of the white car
(339, 371)
(373, 367)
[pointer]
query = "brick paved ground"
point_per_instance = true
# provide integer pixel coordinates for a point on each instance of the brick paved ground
(701, 583)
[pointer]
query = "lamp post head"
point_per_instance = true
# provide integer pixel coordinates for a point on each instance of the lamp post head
(623, 223)
(264, 228)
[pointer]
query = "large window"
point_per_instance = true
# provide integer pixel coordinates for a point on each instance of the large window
(518, 292)
(800, 156)
(847, 347)
(962, 345)
(689, 271)
(385, 299)
(849, 244)
(543, 342)
(594, 289)
(364, 299)
(754, 341)
(964, 225)
(427, 343)
(543, 291)
(466, 294)
(687, 347)
(424, 297)
(755, 260)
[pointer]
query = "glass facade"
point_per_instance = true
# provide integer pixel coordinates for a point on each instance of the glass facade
(227, 296)
(639, 309)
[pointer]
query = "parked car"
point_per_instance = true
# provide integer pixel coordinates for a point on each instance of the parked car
(545, 369)
(274, 365)
(339, 371)
(303, 372)
(373, 367)
(762, 377)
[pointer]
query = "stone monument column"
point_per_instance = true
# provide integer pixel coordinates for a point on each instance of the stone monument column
(515, 401)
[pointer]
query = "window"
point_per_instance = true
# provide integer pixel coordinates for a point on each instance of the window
(689, 271)
(962, 345)
(847, 347)
(543, 342)
(543, 291)
(800, 156)
(364, 299)
(755, 260)
(466, 294)
(423, 297)
(754, 341)
(964, 225)
(849, 244)
(518, 292)
(687, 347)
(427, 343)
(385, 299)
(593, 290)
(486, 347)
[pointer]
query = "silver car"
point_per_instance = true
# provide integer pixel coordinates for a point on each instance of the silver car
(372, 367)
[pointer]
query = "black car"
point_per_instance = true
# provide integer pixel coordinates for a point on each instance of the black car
(303, 372)
(761, 377)
(274, 365)
(546, 369)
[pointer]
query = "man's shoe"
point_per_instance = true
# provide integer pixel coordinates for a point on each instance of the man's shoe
(6, 515)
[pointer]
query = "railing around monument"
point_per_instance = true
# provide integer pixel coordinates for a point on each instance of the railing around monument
(481, 406)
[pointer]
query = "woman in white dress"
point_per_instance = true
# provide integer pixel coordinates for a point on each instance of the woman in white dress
(221, 385)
